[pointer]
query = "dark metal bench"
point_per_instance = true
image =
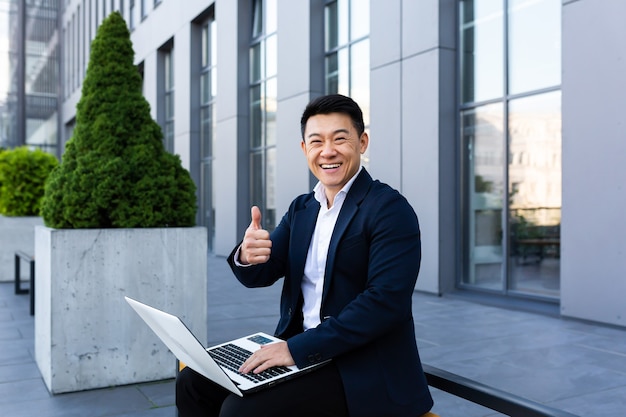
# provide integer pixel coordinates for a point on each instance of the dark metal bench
(493, 398)
(19, 256)
(477, 393)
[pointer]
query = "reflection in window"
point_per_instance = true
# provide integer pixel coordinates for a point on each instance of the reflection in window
(262, 95)
(535, 193)
(482, 131)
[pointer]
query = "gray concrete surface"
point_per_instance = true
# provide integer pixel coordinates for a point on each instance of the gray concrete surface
(572, 365)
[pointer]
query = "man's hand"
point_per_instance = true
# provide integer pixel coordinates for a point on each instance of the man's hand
(257, 246)
(274, 354)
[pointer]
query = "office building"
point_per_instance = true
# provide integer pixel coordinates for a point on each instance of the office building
(499, 120)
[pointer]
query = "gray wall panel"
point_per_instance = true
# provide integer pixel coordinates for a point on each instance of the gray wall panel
(593, 255)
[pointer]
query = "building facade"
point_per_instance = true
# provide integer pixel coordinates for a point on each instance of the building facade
(497, 119)
(29, 71)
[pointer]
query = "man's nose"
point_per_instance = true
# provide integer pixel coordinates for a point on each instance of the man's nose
(328, 148)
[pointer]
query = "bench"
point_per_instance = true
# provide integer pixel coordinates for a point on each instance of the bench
(493, 398)
(23, 256)
(477, 393)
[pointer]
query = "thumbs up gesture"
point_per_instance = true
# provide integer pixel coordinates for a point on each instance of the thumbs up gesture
(257, 246)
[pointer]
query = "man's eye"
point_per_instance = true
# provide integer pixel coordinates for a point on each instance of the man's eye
(340, 139)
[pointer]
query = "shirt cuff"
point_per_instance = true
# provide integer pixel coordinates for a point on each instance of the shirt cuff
(236, 259)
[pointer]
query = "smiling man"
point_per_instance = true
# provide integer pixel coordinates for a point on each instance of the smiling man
(333, 148)
(349, 255)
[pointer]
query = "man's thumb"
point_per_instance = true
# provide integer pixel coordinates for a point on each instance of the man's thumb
(256, 218)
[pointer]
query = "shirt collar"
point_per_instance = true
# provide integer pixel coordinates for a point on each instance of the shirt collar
(320, 191)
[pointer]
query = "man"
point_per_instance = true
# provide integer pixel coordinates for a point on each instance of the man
(349, 253)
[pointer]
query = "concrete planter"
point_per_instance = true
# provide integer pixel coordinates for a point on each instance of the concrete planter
(86, 335)
(16, 233)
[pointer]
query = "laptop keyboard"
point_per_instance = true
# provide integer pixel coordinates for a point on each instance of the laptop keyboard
(231, 356)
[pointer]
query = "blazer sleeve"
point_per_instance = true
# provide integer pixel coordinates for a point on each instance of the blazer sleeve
(266, 274)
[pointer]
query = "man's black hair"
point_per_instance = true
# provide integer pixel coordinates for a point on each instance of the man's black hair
(334, 103)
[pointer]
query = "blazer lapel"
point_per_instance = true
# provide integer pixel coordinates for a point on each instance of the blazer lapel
(350, 207)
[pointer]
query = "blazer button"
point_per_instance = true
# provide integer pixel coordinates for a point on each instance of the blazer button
(289, 312)
(311, 358)
(318, 357)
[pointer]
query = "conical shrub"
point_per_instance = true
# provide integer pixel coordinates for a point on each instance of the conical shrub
(115, 171)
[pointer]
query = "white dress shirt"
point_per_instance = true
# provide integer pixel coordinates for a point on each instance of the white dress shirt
(314, 268)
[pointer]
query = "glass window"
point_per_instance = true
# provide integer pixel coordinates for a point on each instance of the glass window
(511, 147)
(84, 47)
(359, 19)
(271, 15)
(41, 71)
(535, 193)
(257, 18)
(166, 101)
(534, 44)
(256, 117)
(482, 50)
(271, 93)
(482, 141)
(360, 76)
(208, 78)
(256, 63)
(337, 24)
(271, 56)
(263, 97)
(131, 14)
(9, 53)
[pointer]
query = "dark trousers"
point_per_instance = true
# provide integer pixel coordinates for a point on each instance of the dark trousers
(315, 394)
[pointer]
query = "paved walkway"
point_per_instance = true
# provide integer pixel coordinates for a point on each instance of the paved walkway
(579, 367)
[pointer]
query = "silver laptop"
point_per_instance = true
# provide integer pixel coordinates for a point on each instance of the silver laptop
(219, 363)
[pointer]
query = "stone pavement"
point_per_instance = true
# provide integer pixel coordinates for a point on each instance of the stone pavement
(576, 366)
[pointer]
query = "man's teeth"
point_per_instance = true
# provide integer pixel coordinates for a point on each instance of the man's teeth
(330, 166)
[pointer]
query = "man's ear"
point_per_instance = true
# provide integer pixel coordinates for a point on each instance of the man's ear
(303, 146)
(364, 141)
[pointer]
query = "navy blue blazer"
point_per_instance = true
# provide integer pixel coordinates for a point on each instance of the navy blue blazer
(367, 324)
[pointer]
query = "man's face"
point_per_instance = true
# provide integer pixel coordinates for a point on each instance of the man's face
(333, 150)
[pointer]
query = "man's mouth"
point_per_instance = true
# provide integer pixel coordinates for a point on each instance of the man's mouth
(330, 166)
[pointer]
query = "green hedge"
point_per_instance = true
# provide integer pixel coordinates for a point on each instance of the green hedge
(115, 171)
(23, 173)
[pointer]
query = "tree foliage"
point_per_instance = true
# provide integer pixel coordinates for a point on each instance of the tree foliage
(115, 171)
(23, 173)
